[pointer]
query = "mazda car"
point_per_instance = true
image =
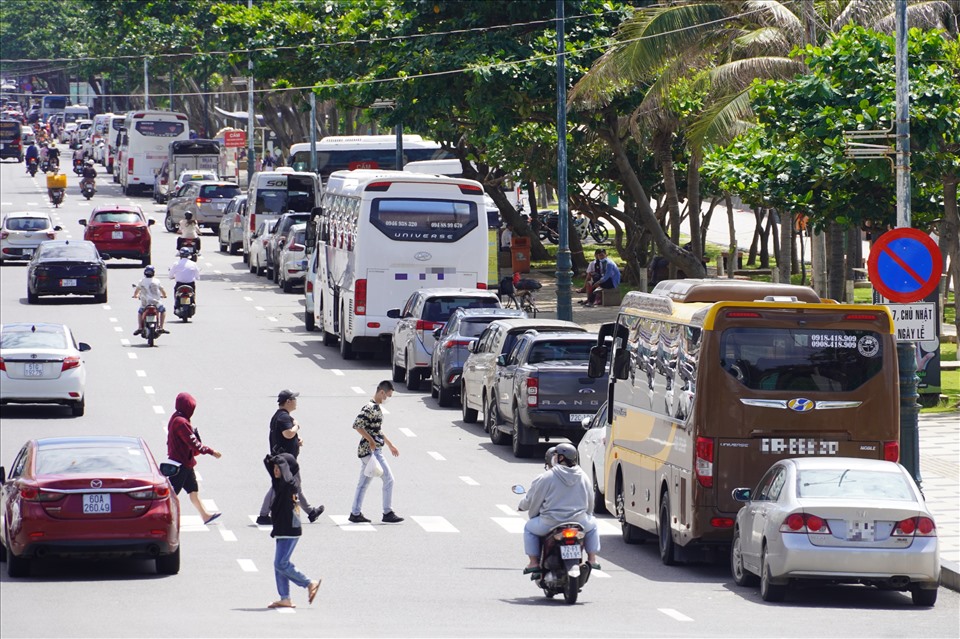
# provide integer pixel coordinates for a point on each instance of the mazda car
(67, 267)
(120, 230)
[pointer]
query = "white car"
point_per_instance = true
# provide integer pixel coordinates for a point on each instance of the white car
(291, 264)
(22, 233)
(231, 226)
(425, 311)
(592, 450)
(42, 364)
(258, 247)
(67, 131)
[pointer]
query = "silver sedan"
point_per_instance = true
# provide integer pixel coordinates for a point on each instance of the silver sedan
(840, 520)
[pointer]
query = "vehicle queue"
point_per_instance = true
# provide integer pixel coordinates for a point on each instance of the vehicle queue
(390, 258)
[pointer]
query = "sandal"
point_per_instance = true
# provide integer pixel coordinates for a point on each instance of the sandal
(530, 570)
(312, 590)
(281, 604)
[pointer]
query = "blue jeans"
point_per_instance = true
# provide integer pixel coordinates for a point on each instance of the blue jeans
(284, 569)
(534, 529)
(365, 481)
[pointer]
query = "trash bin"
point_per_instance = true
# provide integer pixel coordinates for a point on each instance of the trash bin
(520, 254)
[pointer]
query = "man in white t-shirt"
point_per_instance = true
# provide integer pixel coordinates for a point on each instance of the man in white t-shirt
(150, 292)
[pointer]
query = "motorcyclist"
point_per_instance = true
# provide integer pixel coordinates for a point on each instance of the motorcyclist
(32, 153)
(189, 229)
(185, 271)
(78, 156)
(44, 152)
(89, 174)
(150, 292)
(561, 494)
(53, 156)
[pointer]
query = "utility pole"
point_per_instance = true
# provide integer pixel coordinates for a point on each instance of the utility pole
(251, 152)
(313, 131)
(564, 262)
(146, 83)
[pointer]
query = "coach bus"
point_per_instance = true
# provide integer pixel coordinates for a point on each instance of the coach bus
(714, 380)
(144, 146)
(344, 153)
(384, 234)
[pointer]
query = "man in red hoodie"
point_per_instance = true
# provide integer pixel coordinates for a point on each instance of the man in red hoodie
(183, 445)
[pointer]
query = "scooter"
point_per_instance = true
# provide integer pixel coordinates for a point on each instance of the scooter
(184, 304)
(32, 167)
(56, 197)
(151, 324)
(78, 166)
(88, 188)
(562, 568)
(191, 244)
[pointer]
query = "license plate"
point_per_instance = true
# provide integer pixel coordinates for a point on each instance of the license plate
(573, 551)
(28, 251)
(67, 283)
(579, 417)
(118, 235)
(33, 369)
(858, 530)
(96, 504)
(221, 206)
(185, 300)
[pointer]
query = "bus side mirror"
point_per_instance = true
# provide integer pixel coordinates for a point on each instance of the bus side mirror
(621, 364)
(741, 494)
(3, 475)
(598, 361)
(393, 313)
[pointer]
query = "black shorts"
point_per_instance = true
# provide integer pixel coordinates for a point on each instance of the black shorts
(607, 284)
(185, 479)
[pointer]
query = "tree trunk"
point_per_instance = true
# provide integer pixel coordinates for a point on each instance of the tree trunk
(785, 260)
(757, 233)
(693, 203)
(663, 145)
(835, 268)
(732, 228)
(765, 242)
(705, 225)
(950, 242)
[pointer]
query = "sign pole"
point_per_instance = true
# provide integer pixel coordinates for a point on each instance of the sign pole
(906, 351)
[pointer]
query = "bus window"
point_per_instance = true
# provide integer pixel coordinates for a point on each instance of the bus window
(416, 220)
(159, 129)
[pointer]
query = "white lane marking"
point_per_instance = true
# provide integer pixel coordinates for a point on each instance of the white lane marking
(508, 510)
(7, 203)
(132, 355)
(384, 410)
(300, 343)
(434, 524)
(510, 524)
(106, 307)
(336, 371)
(118, 329)
(272, 319)
(319, 356)
(247, 565)
(608, 527)
(149, 390)
(670, 612)
(124, 342)
(141, 373)
(408, 432)
(436, 455)
(158, 410)
(469, 481)
(227, 535)
(258, 308)
(114, 319)
(599, 573)
(253, 518)
(345, 524)
(247, 299)
(284, 329)
(357, 390)
(208, 504)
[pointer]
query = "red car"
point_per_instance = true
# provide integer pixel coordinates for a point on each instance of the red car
(87, 497)
(119, 231)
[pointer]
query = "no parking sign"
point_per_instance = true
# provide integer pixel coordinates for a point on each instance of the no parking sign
(904, 265)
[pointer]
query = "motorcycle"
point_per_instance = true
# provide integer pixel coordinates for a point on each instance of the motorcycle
(563, 569)
(56, 197)
(184, 304)
(192, 244)
(78, 166)
(586, 228)
(88, 188)
(32, 167)
(151, 324)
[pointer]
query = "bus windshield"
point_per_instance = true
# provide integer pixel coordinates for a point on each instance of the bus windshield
(54, 102)
(418, 220)
(159, 129)
(813, 359)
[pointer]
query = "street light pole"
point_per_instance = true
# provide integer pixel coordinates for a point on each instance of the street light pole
(146, 84)
(313, 131)
(251, 152)
(564, 262)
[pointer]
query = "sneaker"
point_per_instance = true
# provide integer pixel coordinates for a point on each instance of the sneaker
(358, 519)
(164, 331)
(314, 513)
(589, 304)
(264, 520)
(392, 518)
(139, 331)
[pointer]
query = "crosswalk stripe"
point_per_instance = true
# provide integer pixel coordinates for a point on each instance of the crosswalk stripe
(436, 455)
(608, 527)
(513, 512)
(247, 565)
(510, 524)
(408, 432)
(434, 524)
(469, 481)
(192, 523)
(227, 535)
(345, 524)
(670, 612)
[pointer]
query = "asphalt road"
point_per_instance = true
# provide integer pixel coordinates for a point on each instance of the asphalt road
(451, 569)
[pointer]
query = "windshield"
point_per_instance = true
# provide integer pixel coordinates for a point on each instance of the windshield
(68, 252)
(27, 223)
(158, 129)
(807, 359)
(105, 459)
(560, 351)
(116, 217)
(439, 309)
(222, 191)
(423, 220)
(473, 327)
(42, 337)
(839, 483)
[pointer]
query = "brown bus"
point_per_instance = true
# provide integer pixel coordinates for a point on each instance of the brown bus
(714, 380)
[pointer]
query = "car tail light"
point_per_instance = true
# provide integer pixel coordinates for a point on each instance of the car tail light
(3, 365)
(70, 362)
(860, 317)
(360, 297)
(158, 491)
(51, 235)
(891, 451)
(4, 235)
(33, 493)
(915, 527)
(722, 522)
(805, 523)
(742, 315)
(468, 189)
(704, 464)
(482, 285)
(253, 221)
(450, 343)
(130, 165)
(309, 286)
(203, 200)
(378, 186)
(533, 391)
(424, 325)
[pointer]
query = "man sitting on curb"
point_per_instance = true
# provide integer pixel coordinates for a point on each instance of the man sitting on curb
(609, 280)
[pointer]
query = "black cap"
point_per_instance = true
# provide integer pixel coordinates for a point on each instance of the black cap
(286, 395)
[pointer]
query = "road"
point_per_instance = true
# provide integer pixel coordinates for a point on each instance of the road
(453, 568)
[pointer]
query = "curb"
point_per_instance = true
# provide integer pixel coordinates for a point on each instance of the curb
(949, 577)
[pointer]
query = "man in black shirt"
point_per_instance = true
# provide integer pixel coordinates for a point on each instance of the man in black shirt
(285, 438)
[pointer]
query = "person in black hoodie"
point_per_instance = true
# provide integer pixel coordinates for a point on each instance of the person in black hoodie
(285, 513)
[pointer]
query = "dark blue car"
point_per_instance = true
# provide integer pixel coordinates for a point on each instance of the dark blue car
(67, 267)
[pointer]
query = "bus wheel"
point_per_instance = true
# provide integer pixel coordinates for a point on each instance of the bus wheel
(346, 348)
(630, 533)
(599, 507)
(667, 549)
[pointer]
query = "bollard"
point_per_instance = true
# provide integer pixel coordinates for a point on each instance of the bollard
(909, 409)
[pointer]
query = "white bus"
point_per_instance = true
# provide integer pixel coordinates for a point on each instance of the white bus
(452, 167)
(348, 153)
(381, 236)
(51, 105)
(144, 147)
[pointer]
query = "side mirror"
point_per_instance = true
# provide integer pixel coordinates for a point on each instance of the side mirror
(151, 222)
(82, 223)
(501, 360)
(598, 361)
(105, 256)
(58, 228)
(472, 347)
(518, 489)
(436, 333)
(586, 423)
(741, 494)
(3, 475)
(83, 346)
(621, 364)
(393, 313)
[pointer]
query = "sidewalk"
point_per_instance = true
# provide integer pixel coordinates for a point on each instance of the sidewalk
(939, 440)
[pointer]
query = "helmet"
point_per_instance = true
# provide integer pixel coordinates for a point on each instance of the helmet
(185, 252)
(568, 452)
(89, 163)
(149, 271)
(188, 215)
(548, 458)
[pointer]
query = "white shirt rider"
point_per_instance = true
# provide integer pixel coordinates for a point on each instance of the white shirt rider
(189, 229)
(150, 292)
(185, 271)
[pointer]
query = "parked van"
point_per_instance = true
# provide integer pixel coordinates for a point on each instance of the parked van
(76, 112)
(113, 135)
(100, 124)
(273, 193)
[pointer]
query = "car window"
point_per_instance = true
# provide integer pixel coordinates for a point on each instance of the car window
(116, 217)
(219, 191)
(763, 488)
(43, 337)
(16, 469)
(516, 352)
(405, 312)
(100, 458)
(439, 309)
(27, 224)
(560, 351)
(839, 483)
(776, 486)
(67, 252)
